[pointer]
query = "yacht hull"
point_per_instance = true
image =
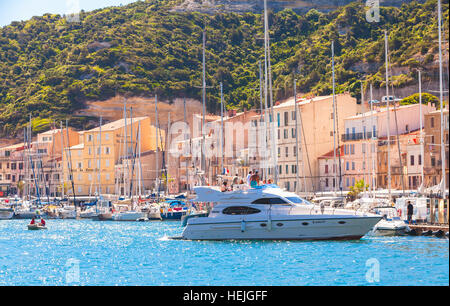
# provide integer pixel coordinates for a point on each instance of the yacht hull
(6, 215)
(281, 229)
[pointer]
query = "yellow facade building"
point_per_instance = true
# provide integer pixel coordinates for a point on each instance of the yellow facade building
(93, 161)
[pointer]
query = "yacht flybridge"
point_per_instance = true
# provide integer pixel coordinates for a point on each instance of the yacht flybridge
(268, 212)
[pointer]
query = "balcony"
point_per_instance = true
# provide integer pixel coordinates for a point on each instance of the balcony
(357, 136)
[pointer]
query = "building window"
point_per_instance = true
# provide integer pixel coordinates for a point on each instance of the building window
(326, 168)
(419, 159)
(286, 150)
(107, 150)
(412, 160)
(432, 122)
(286, 118)
(89, 137)
(326, 182)
(286, 134)
(107, 163)
(278, 119)
(433, 161)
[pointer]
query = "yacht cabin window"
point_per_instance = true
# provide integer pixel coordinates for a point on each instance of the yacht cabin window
(270, 201)
(240, 210)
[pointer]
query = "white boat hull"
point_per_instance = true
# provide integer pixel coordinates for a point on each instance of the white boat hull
(285, 228)
(128, 216)
(390, 228)
(68, 214)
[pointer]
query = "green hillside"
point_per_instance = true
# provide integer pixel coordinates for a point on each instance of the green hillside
(50, 67)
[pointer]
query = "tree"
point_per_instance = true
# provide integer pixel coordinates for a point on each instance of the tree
(360, 186)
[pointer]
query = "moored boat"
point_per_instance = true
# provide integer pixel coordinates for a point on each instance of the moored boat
(6, 213)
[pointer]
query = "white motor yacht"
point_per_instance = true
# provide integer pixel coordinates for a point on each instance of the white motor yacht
(267, 212)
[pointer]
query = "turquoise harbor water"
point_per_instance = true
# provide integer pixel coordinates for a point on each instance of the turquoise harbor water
(86, 252)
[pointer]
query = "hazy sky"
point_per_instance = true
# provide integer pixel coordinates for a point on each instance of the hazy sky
(17, 10)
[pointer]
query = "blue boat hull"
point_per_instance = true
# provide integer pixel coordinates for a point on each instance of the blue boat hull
(173, 215)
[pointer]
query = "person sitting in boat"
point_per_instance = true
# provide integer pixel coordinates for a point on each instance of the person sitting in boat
(42, 222)
(32, 221)
(224, 187)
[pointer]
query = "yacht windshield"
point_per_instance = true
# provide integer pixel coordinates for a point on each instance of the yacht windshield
(297, 200)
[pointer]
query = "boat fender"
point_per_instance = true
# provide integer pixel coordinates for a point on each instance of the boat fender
(399, 212)
(243, 226)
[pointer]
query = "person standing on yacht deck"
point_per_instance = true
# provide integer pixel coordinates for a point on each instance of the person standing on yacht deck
(248, 177)
(235, 181)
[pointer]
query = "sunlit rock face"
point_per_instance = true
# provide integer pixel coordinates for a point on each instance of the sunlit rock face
(241, 6)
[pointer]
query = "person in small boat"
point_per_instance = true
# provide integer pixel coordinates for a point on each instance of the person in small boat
(254, 179)
(32, 221)
(42, 222)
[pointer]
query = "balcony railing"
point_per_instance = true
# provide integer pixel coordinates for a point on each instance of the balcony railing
(358, 136)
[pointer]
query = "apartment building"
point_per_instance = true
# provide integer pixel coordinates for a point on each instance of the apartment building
(432, 147)
(315, 119)
(93, 161)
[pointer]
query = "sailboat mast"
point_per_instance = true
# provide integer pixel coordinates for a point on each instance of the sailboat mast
(100, 158)
(364, 135)
(167, 149)
(267, 43)
(125, 147)
(156, 149)
(203, 160)
(140, 164)
(70, 167)
(132, 154)
(373, 147)
(221, 129)
(421, 131)
(185, 138)
(334, 119)
(441, 98)
(263, 140)
(297, 178)
(388, 115)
